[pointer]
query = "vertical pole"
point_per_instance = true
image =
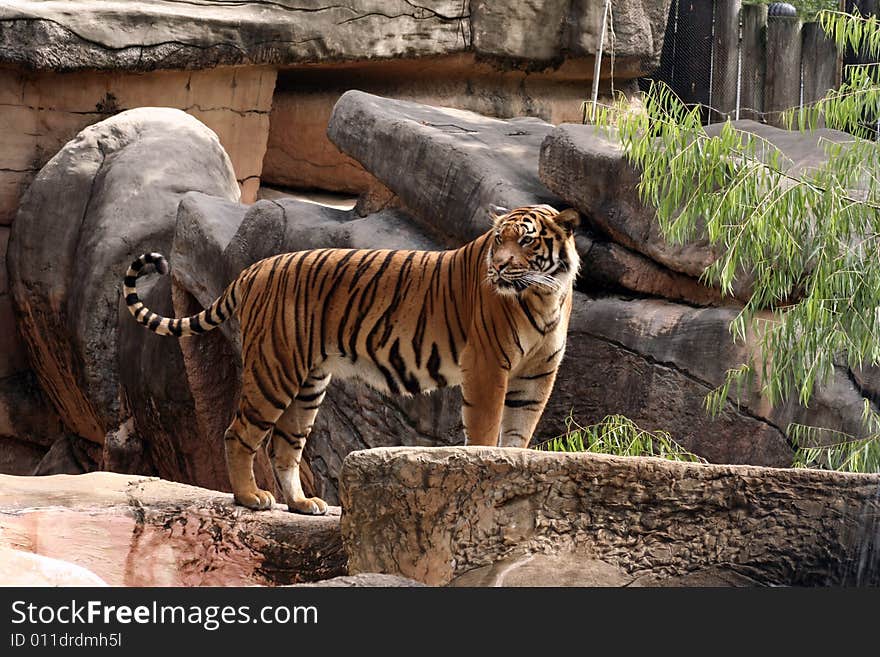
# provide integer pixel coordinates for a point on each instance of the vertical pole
(754, 20)
(739, 63)
(598, 65)
(782, 83)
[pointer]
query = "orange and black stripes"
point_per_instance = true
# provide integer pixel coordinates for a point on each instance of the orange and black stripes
(208, 319)
(490, 316)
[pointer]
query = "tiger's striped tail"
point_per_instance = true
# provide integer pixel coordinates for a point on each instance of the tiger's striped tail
(207, 320)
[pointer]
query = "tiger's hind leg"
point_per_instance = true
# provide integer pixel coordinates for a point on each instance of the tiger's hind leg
(251, 426)
(289, 440)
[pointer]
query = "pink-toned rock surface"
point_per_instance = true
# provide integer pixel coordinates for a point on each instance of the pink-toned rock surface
(19, 568)
(143, 531)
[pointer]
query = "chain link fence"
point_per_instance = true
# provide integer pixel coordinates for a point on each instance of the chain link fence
(747, 61)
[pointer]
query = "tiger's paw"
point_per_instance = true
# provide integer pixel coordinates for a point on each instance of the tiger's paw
(313, 506)
(258, 500)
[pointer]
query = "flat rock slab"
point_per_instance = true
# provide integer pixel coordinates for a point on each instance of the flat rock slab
(434, 514)
(154, 34)
(165, 34)
(143, 531)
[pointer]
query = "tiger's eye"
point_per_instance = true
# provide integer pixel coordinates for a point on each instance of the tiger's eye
(527, 241)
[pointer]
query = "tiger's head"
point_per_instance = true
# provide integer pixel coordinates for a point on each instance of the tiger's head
(532, 247)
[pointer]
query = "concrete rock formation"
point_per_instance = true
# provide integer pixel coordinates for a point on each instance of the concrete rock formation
(142, 531)
(80, 34)
(68, 64)
(447, 166)
(655, 361)
(437, 515)
(120, 181)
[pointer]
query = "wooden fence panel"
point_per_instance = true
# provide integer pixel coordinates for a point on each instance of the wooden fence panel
(782, 88)
(725, 59)
(754, 21)
(819, 63)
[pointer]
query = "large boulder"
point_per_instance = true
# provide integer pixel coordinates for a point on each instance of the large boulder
(121, 181)
(436, 515)
(447, 166)
(141, 531)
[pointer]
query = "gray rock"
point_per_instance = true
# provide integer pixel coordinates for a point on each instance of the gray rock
(436, 514)
(590, 172)
(539, 30)
(447, 166)
(655, 362)
(121, 180)
(609, 266)
(79, 34)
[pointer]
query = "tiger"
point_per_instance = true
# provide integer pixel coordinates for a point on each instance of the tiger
(490, 316)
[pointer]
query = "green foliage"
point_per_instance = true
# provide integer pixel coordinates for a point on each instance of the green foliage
(846, 455)
(805, 242)
(619, 436)
(833, 450)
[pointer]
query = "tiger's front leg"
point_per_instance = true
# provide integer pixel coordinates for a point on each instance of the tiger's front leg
(527, 394)
(483, 385)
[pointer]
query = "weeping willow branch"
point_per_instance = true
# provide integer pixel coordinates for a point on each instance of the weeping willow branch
(803, 242)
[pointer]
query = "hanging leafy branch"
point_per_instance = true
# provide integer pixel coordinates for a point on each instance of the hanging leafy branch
(802, 242)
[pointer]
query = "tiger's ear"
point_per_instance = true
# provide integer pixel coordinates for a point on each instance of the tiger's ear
(496, 212)
(568, 220)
